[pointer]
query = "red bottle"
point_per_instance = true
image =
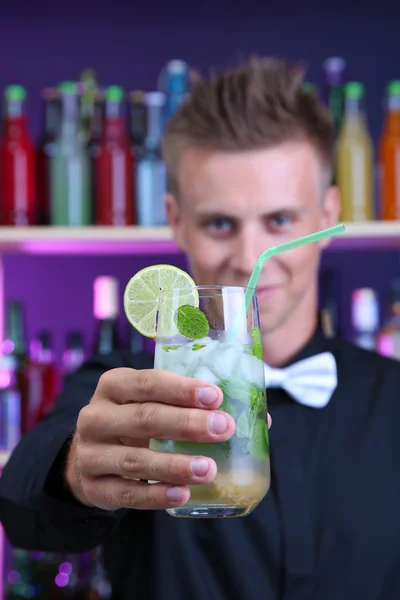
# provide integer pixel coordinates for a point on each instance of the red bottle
(18, 196)
(113, 165)
(42, 381)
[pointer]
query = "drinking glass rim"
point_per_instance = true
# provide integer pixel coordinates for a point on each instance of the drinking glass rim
(207, 287)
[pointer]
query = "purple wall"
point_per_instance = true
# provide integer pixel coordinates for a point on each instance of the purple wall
(128, 44)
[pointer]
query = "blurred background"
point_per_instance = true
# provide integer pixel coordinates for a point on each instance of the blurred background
(79, 78)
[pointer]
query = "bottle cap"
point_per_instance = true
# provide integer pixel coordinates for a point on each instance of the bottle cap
(393, 88)
(114, 93)
(334, 64)
(354, 89)
(105, 297)
(67, 87)
(15, 93)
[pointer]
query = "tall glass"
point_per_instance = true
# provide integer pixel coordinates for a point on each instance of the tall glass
(234, 362)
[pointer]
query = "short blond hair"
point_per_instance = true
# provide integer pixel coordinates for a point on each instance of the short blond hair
(255, 105)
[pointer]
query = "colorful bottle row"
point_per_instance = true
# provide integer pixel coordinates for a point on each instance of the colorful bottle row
(94, 165)
(31, 377)
(355, 156)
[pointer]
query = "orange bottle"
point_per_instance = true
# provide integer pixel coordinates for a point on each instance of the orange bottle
(389, 156)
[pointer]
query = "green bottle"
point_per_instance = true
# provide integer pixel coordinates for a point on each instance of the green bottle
(69, 167)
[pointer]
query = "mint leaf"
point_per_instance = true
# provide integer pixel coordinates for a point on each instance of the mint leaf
(191, 322)
(254, 350)
(257, 346)
(258, 444)
(256, 335)
(168, 348)
(258, 400)
(198, 347)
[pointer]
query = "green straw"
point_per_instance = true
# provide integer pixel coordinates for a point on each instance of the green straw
(255, 275)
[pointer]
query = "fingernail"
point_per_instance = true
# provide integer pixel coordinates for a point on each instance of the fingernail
(175, 494)
(207, 395)
(218, 422)
(199, 467)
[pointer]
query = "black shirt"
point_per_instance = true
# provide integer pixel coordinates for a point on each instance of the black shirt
(329, 528)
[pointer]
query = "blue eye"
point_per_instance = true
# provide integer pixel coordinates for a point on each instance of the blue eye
(280, 220)
(220, 224)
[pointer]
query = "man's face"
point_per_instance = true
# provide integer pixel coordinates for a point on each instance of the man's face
(233, 206)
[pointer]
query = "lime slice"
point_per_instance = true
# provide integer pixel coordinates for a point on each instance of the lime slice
(142, 294)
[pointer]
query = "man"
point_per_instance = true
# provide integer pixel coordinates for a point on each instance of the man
(249, 159)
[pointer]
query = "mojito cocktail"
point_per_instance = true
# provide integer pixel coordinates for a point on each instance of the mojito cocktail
(235, 364)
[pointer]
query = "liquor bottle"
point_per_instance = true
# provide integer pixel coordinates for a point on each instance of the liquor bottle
(10, 404)
(389, 334)
(138, 116)
(389, 153)
(355, 163)
(15, 359)
(136, 344)
(46, 148)
(151, 173)
(106, 310)
(115, 201)
(70, 172)
(365, 317)
(334, 68)
(42, 377)
(93, 146)
(18, 186)
(74, 354)
(175, 82)
(88, 87)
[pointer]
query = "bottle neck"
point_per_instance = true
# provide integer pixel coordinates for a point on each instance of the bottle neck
(154, 128)
(69, 115)
(15, 126)
(96, 124)
(353, 115)
(107, 339)
(15, 339)
(392, 118)
(14, 109)
(138, 124)
(51, 120)
(114, 126)
(352, 107)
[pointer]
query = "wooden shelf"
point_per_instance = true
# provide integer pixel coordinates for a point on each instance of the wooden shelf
(159, 240)
(87, 240)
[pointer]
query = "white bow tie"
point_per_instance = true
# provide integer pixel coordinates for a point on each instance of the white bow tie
(310, 382)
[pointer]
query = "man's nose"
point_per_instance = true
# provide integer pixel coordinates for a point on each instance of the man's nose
(247, 249)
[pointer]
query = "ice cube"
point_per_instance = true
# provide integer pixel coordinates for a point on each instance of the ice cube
(252, 369)
(225, 360)
(206, 374)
